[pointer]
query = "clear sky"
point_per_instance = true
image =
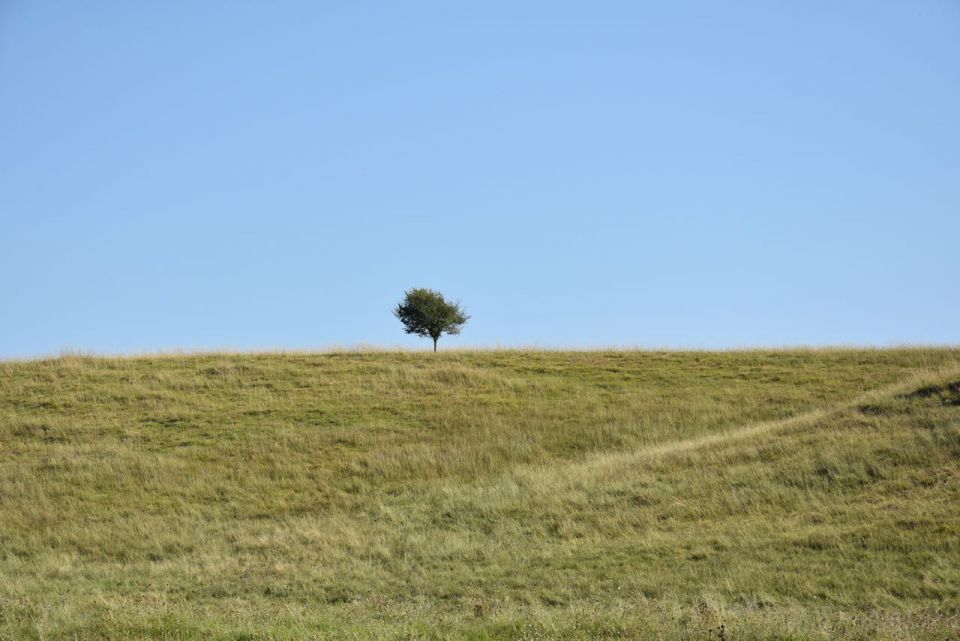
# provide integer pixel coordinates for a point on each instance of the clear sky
(255, 175)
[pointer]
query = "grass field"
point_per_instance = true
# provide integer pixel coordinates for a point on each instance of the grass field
(807, 494)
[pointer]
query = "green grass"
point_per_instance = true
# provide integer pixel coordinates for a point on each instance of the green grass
(805, 494)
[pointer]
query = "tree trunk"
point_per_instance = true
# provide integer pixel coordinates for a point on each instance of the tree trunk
(434, 345)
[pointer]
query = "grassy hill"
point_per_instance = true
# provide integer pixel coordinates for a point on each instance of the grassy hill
(809, 494)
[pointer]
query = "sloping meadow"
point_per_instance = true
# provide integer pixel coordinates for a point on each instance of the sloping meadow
(806, 494)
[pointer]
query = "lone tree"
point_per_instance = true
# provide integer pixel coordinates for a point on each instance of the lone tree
(425, 312)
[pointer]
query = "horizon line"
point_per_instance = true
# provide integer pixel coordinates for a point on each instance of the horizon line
(365, 348)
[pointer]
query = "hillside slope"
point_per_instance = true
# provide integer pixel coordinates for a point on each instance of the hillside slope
(482, 495)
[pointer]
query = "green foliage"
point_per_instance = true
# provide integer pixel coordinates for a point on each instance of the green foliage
(808, 495)
(427, 313)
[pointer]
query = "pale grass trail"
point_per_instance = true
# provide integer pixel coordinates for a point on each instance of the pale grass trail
(801, 420)
(609, 465)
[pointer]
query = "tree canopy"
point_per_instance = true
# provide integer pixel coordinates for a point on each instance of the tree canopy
(427, 313)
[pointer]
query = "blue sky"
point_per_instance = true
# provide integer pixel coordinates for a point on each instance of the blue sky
(274, 175)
